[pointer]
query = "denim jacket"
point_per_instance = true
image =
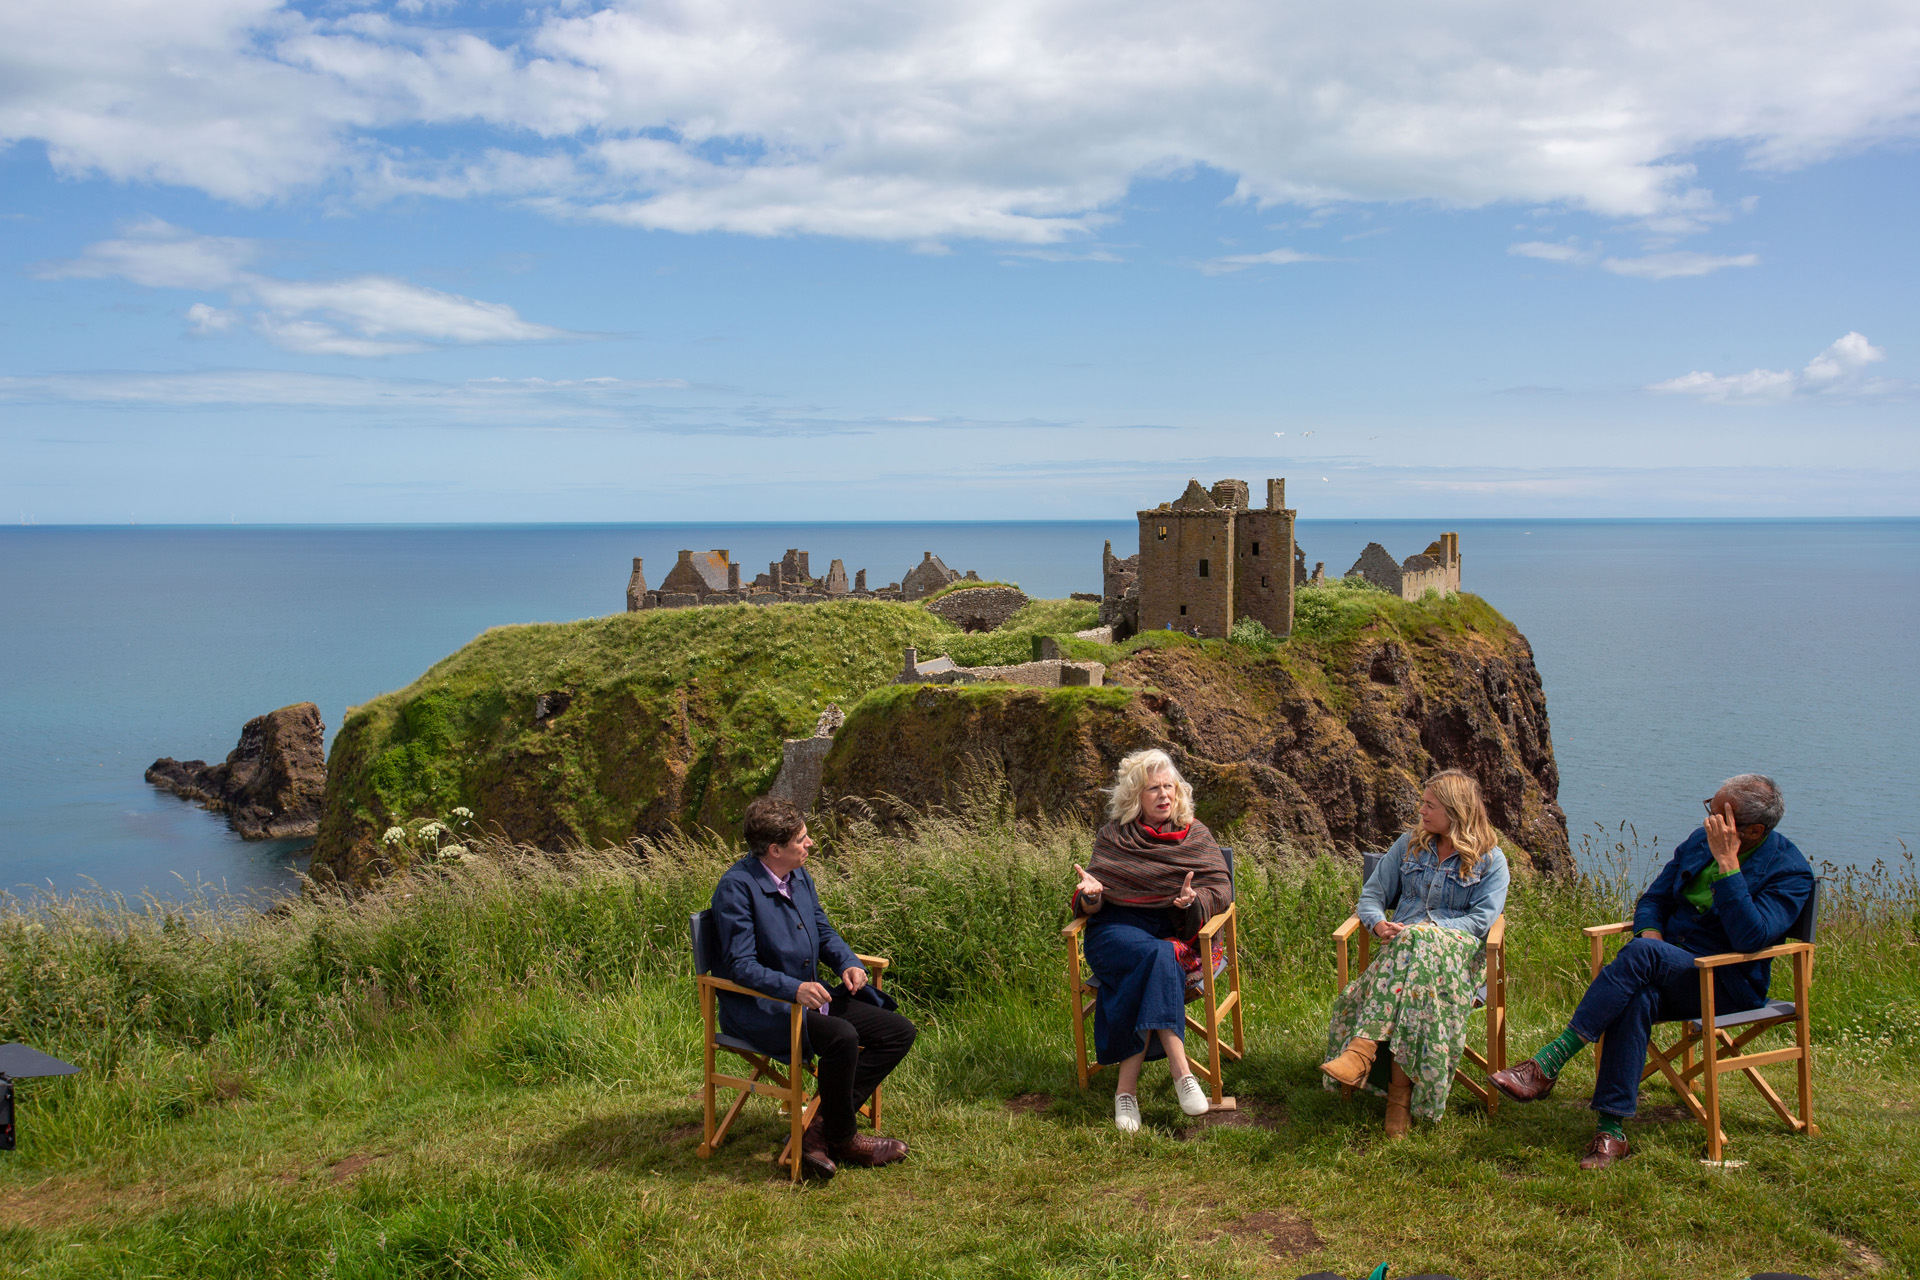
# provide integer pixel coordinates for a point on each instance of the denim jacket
(1420, 890)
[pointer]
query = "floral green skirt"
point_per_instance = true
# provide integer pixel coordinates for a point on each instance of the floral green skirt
(1417, 993)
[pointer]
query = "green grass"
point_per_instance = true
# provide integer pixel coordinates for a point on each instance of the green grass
(491, 1073)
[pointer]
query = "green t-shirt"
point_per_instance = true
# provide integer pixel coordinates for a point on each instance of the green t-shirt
(1700, 892)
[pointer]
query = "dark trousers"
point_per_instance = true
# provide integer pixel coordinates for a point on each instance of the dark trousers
(855, 1045)
(1647, 982)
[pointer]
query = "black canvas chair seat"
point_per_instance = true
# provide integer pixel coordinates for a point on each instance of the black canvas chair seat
(1779, 1010)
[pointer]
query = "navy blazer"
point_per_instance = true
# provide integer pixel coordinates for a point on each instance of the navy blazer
(773, 945)
(1752, 910)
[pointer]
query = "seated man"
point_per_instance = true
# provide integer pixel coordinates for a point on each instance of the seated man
(772, 936)
(1734, 885)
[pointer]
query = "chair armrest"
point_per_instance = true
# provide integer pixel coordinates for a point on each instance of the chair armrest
(1607, 930)
(1497, 936)
(872, 962)
(1345, 931)
(1079, 924)
(721, 984)
(1739, 957)
(1214, 925)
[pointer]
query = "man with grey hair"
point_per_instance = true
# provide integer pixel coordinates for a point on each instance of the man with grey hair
(1734, 885)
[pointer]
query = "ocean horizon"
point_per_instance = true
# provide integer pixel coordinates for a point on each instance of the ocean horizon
(1673, 653)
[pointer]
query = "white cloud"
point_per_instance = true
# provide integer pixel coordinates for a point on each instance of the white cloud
(1016, 121)
(1667, 266)
(358, 316)
(1271, 258)
(1840, 370)
(1548, 252)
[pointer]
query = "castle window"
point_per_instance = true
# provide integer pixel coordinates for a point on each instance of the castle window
(1183, 611)
(1163, 533)
(1263, 580)
(1256, 548)
(1203, 568)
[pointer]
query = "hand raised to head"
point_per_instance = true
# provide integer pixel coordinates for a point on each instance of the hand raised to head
(1185, 897)
(1723, 838)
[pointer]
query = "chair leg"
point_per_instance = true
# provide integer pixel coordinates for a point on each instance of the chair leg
(1803, 1036)
(1075, 984)
(1709, 1053)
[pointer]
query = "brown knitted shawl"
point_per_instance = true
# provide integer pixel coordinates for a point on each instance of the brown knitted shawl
(1143, 868)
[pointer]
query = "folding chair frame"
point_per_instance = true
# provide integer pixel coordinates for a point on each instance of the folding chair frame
(1715, 1043)
(1216, 1008)
(1495, 1058)
(788, 1085)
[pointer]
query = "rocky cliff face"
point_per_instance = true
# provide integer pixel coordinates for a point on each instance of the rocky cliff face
(1322, 746)
(271, 785)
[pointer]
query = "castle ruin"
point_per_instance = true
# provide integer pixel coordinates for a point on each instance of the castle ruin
(714, 577)
(1206, 560)
(1435, 569)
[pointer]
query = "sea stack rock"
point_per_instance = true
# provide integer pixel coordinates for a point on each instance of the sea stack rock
(270, 786)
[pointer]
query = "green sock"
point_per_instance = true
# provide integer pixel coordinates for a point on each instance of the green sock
(1554, 1054)
(1612, 1126)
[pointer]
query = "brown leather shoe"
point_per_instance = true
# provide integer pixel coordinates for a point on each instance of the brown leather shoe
(815, 1162)
(1603, 1151)
(1525, 1082)
(1399, 1104)
(1351, 1067)
(868, 1150)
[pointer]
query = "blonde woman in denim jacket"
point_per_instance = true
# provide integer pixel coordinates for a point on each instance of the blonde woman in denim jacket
(1445, 880)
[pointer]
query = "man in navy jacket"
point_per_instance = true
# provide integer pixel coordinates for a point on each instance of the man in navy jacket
(772, 935)
(1734, 885)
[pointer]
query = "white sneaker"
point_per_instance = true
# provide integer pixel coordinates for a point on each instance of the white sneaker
(1193, 1095)
(1126, 1113)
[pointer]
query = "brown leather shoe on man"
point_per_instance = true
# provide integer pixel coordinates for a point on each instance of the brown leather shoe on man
(1604, 1150)
(869, 1150)
(815, 1162)
(1524, 1082)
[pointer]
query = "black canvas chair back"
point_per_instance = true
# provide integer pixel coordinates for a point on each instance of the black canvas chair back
(1368, 861)
(1233, 885)
(701, 926)
(1803, 928)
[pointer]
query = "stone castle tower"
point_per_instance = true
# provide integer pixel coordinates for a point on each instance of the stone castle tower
(1208, 559)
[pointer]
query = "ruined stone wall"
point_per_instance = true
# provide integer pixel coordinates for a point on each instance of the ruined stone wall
(1263, 582)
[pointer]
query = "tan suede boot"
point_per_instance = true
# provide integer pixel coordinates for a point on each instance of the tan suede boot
(1399, 1104)
(1351, 1067)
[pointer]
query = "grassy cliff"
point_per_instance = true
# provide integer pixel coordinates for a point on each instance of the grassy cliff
(665, 719)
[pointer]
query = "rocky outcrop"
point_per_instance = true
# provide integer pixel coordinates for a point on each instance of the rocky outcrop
(271, 786)
(1319, 755)
(979, 608)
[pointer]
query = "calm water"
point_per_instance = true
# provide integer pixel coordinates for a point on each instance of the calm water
(1674, 654)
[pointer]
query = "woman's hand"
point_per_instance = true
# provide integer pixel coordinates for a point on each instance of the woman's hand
(1088, 886)
(1387, 930)
(1185, 897)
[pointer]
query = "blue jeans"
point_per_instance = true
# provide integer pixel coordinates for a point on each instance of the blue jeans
(1647, 982)
(1143, 989)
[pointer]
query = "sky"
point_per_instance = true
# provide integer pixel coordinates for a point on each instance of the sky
(774, 259)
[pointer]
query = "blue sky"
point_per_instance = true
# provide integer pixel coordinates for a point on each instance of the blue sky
(669, 261)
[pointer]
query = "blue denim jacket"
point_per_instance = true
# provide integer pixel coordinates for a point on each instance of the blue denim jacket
(1420, 890)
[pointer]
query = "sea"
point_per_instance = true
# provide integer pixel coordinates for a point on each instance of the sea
(1674, 653)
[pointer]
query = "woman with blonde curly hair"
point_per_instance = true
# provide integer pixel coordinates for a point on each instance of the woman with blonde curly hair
(1445, 880)
(1156, 877)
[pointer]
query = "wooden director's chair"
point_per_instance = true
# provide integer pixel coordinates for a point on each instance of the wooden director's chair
(789, 1086)
(1491, 995)
(1083, 991)
(1714, 1034)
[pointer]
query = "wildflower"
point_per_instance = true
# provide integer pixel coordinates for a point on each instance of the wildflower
(431, 828)
(394, 835)
(463, 813)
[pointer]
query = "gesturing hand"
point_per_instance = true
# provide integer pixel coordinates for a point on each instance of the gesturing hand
(1387, 930)
(855, 978)
(1088, 886)
(814, 996)
(1185, 897)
